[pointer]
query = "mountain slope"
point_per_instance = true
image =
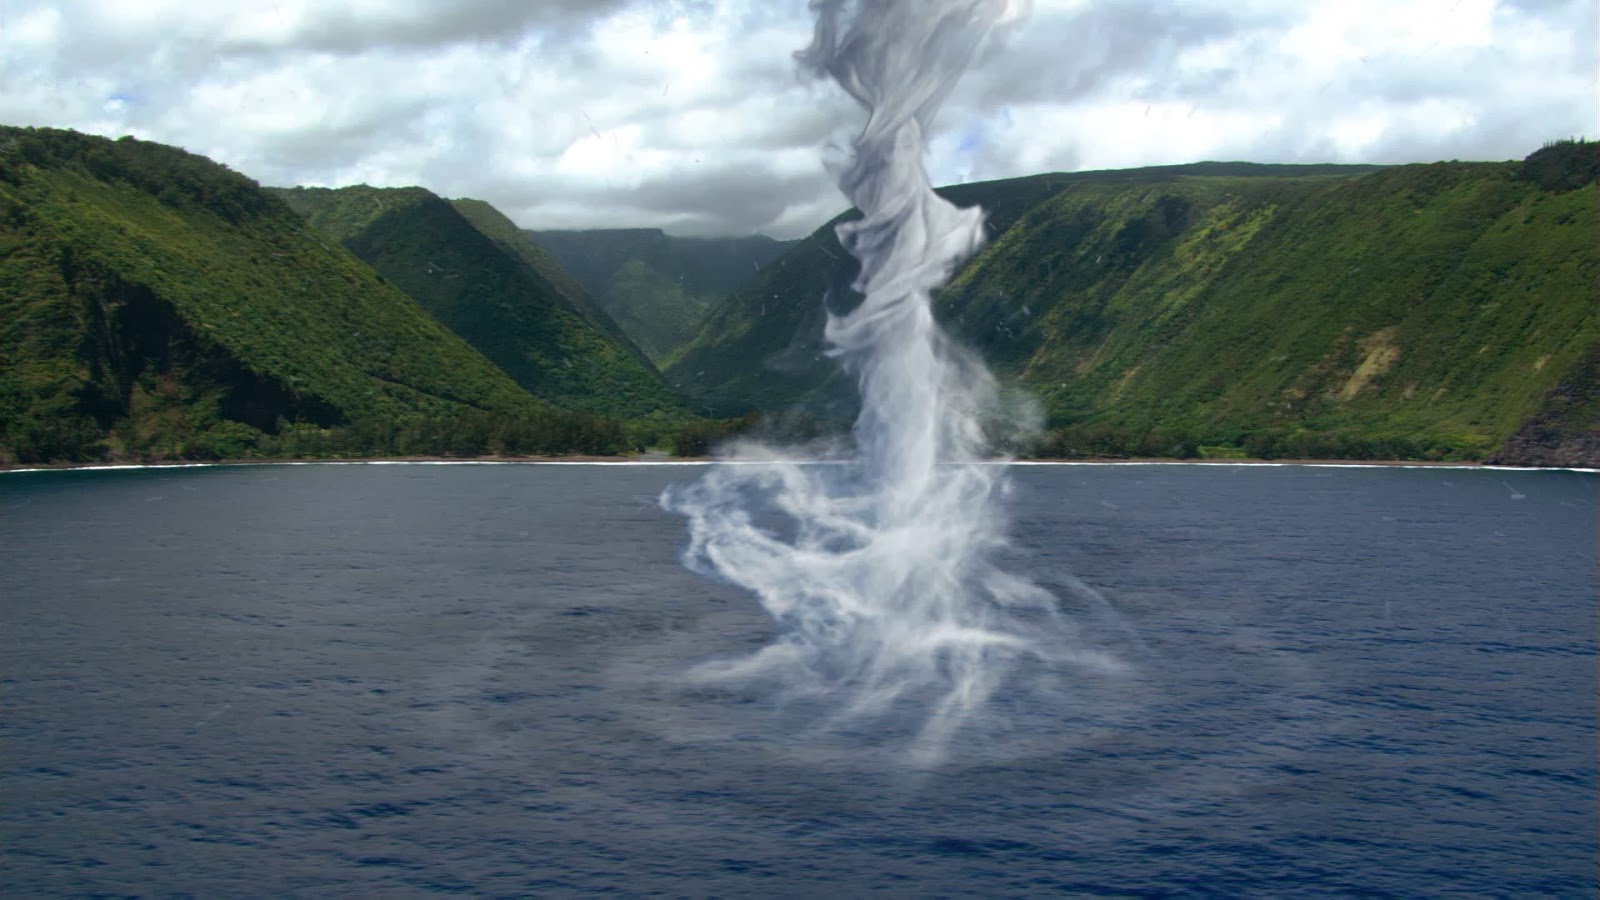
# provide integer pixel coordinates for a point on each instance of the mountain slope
(494, 225)
(1414, 311)
(155, 304)
(761, 346)
(1566, 429)
(483, 289)
(1419, 311)
(655, 285)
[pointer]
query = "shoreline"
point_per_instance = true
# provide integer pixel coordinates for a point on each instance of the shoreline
(661, 459)
(347, 461)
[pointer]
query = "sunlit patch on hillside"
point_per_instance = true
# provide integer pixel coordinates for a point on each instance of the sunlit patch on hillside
(1381, 356)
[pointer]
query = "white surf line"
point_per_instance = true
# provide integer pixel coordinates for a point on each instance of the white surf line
(113, 468)
(638, 463)
(624, 463)
(1446, 467)
(361, 462)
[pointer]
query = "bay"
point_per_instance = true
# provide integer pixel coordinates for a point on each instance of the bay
(402, 680)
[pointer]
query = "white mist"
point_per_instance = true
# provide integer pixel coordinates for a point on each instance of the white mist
(892, 619)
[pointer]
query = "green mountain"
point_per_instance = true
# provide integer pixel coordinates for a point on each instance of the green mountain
(154, 304)
(656, 286)
(1418, 311)
(1565, 431)
(761, 346)
(485, 286)
(515, 241)
(1413, 311)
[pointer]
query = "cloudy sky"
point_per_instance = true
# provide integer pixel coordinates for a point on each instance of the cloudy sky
(690, 115)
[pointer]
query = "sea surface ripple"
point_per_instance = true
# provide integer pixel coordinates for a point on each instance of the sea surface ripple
(404, 680)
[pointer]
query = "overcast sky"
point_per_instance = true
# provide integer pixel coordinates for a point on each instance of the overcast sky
(690, 115)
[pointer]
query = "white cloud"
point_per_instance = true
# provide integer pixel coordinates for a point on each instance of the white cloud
(690, 115)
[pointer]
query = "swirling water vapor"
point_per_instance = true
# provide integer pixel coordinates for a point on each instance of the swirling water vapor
(878, 570)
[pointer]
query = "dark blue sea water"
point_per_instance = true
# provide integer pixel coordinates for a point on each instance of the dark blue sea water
(402, 680)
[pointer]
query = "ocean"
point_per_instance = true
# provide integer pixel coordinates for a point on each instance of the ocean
(398, 680)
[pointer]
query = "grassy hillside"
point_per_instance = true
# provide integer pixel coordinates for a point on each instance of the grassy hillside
(493, 224)
(656, 286)
(154, 304)
(761, 346)
(1418, 311)
(1565, 431)
(485, 287)
(1222, 309)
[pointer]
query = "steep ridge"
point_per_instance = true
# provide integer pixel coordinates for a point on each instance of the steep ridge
(658, 286)
(761, 346)
(1227, 309)
(493, 224)
(1566, 429)
(486, 290)
(1420, 311)
(154, 304)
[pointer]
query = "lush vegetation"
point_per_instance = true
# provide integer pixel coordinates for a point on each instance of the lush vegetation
(468, 433)
(1564, 165)
(155, 305)
(760, 347)
(1566, 430)
(657, 286)
(1414, 312)
(703, 437)
(484, 290)
(1418, 312)
(514, 241)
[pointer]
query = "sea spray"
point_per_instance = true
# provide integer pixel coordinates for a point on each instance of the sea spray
(893, 620)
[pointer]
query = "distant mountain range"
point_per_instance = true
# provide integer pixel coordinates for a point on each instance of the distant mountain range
(656, 286)
(155, 305)
(488, 283)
